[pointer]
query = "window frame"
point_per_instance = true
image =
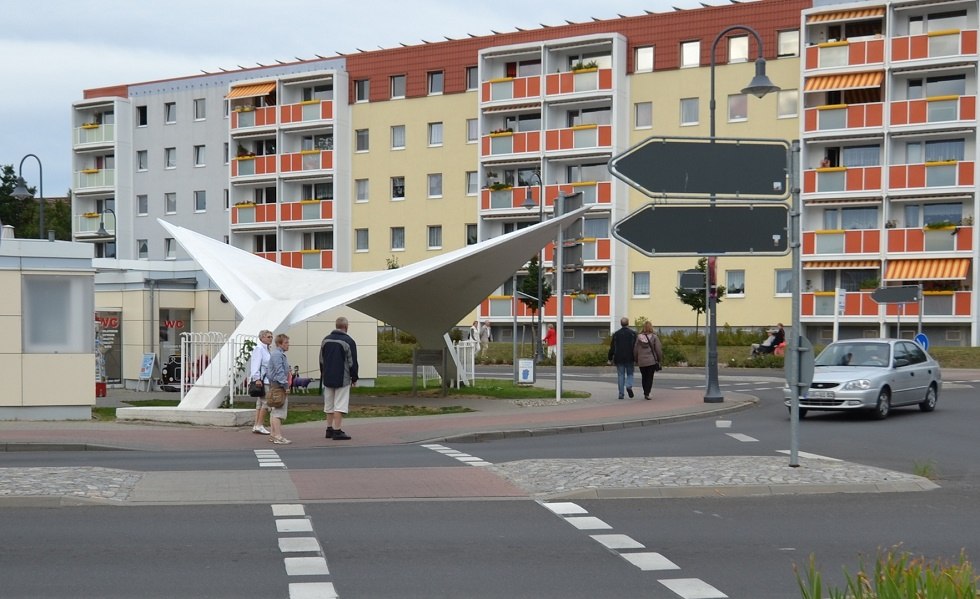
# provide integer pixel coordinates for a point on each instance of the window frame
(636, 278)
(200, 158)
(780, 43)
(435, 134)
(169, 113)
(729, 287)
(685, 45)
(396, 234)
(200, 200)
(394, 83)
(430, 231)
(649, 115)
(170, 202)
(362, 90)
(735, 49)
(434, 80)
(474, 80)
(357, 140)
(357, 240)
(360, 198)
(142, 204)
(742, 99)
(697, 121)
(404, 137)
(394, 186)
(142, 160)
(638, 59)
(430, 179)
(200, 109)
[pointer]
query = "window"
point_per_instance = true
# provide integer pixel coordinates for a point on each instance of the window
(397, 137)
(170, 203)
(142, 160)
(738, 48)
(317, 191)
(471, 235)
(738, 107)
(142, 249)
(734, 282)
(264, 195)
(435, 82)
(200, 200)
(643, 115)
(435, 134)
(689, 111)
(398, 238)
(362, 141)
(226, 153)
(472, 130)
(397, 86)
(200, 109)
(435, 237)
(265, 147)
(318, 92)
(170, 113)
(690, 54)
(784, 280)
(361, 243)
(641, 284)
(435, 185)
(864, 217)
(265, 243)
(54, 314)
(398, 188)
(576, 117)
(362, 90)
(361, 190)
(472, 183)
(141, 116)
(169, 248)
(318, 240)
(472, 78)
(226, 199)
(932, 213)
(643, 59)
(170, 158)
(142, 204)
(788, 43)
(316, 142)
(942, 150)
(199, 156)
(787, 103)
(855, 156)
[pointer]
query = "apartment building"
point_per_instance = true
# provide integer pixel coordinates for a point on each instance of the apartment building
(889, 161)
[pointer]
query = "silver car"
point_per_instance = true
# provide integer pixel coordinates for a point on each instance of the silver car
(873, 375)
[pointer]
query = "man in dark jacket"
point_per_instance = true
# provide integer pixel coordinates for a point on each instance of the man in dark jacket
(338, 373)
(621, 354)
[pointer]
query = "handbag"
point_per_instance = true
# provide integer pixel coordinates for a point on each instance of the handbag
(277, 397)
(657, 367)
(256, 388)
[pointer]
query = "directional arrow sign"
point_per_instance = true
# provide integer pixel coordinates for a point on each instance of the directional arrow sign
(896, 295)
(723, 167)
(699, 229)
(692, 280)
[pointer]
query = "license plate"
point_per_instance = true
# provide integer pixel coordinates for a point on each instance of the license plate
(821, 394)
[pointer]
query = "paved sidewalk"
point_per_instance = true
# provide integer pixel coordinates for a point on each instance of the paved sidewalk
(493, 418)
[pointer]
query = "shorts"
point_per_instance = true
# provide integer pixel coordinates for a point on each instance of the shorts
(336, 399)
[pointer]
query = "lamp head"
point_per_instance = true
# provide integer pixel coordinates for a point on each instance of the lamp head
(529, 202)
(20, 191)
(102, 232)
(760, 84)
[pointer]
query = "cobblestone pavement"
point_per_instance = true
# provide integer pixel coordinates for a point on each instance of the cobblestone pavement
(80, 483)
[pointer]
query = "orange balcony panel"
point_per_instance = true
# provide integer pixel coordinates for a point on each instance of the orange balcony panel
(809, 181)
(265, 165)
(566, 138)
(326, 259)
(917, 175)
(326, 110)
(871, 241)
(605, 136)
(968, 42)
(567, 82)
(855, 116)
(872, 177)
(604, 193)
(852, 242)
(605, 78)
(485, 97)
(809, 242)
(961, 303)
(484, 199)
(552, 85)
(603, 249)
(898, 176)
(900, 113)
(918, 47)
(875, 51)
(602, 305)
(268, 212)
(270, 256)
(552, 141)
(873, 116)
(896, 240)
(265, 116)
(852, 304)
(964, 239)
(533, 141)
(812, 57)
(287, 113)
(485, 146)
(900, 48)
(810, 119)
(234, 215)
(806, 304)
(965, 173)
(854, 179)
(519, 89)
(968, 108)
(533, 87)
(915, 240)
(234, 120)
(869, 307)
(917, 111)
(326, 160)
(326, 210)
(292, 259)
(520, 144)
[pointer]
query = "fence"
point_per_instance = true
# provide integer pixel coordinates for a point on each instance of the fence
(227, 369)
(466, 354)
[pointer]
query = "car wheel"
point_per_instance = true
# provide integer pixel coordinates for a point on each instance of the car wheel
(929, 403)
(880, 411)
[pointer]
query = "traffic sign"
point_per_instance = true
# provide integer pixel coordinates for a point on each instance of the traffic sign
(692, 280)
(721, 167)
(896, 295)
(697, 229)
(922, 340)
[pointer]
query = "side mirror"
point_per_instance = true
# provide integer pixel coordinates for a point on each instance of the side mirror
(899, 362)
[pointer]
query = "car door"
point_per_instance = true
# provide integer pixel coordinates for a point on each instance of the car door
(905, 374)
(922, 368)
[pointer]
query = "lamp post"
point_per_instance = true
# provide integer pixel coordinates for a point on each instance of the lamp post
(21, 193)
(758, 87)
(529, 203)
(104, 234)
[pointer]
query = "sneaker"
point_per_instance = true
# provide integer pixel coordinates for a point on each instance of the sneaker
(329, 434)
(281, 441)
(260, 430)
(647, 397)
(339, 435)
(629, 391)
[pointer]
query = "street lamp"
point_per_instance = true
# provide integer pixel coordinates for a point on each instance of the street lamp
(529, 203)
(758, 87)
(21, 193)
(104, 234)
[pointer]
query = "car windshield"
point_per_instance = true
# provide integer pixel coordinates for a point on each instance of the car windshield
(854, 354)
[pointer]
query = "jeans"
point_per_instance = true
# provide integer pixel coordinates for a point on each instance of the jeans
(624, 377)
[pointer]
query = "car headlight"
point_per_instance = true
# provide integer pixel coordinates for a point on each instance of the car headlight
(858, 385)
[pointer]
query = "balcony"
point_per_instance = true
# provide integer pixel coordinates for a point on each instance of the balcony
(306, 210)
(935, 44)
(949, 173)
(951, 239)
(511, 88)
(506, 142)
(578, 138)
(263, 116)
(87, 224)
(822, 303)
(305, 161)
(846, 53)
(843, 116)
(251, 214)
(851, 242)
(953, 304)
(244, 166)
(95, 133)
(508, 198)
(589, 306)
(306, 112)
(308, 259)
(597, 248)
(842, 179)
(91, 178)
(593, 192)
(584, 80)
(939, 109)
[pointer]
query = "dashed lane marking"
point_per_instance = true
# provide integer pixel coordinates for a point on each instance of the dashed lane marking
(804, 454)
(587, 523)
(618, 542)
(268, 458)
(693, 588)
(458, 455)
(647, 561)
(742, 438)
(291, 520)
(312, 590)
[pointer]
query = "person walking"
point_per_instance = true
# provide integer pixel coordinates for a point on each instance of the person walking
(621, 354)
(258, 370)
(551, 340)
(485, 338)
(278, 387)
(338, 373)
(648, 353)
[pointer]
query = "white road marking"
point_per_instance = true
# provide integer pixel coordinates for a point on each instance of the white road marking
(811, 456)
(647, 561)
(294, 525)
(306, 566)
(458, 455)
(618, 542)
(587, 523)
(723, 423)
(743, 438)
(298, 544)
(288, 509)
(268, 458)
(693, 588)
(312, 590)
(565, 507)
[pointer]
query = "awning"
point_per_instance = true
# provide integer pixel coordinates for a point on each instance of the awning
(847, 15)
(928, 270)
(845, 81)
(842, 264)
(595, 269)
(251, 91)
(513, 107)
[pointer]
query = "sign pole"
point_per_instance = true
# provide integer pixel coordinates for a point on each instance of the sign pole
(794, 353)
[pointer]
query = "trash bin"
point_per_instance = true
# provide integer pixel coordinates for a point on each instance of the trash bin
(100, 389)
(525, 371)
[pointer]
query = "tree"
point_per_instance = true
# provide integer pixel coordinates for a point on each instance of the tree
(696, 299)
(529, 286)
(24, 216)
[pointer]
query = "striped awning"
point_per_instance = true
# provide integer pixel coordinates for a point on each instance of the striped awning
(251, 91)
(939, 269)
(844, 81)
(839, 264)
(513, 107)
(847, 15)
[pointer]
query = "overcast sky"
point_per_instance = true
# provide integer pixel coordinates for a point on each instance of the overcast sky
(51, 50)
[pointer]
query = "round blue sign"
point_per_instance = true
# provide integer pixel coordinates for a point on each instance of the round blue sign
(922, 340)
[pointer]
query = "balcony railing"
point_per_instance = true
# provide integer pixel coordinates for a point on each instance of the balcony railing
(580, 137)
(94, 177)
(859, 303)
(593, 192)
(935, 44)
(939, 109)
(843, 116)
(845, 53)
(949, 173)
(95, 134)
(848, 242)
(263, 116)
(839, 178)
(511, 88)
(308, 259)
(306, 210)
(597, 248)
(88, 223)
(588, 305)
(307, 160)
(584, 80)
(952, 239)
(250, 214)
(304, 112)
(511, 143)
(243, 166)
